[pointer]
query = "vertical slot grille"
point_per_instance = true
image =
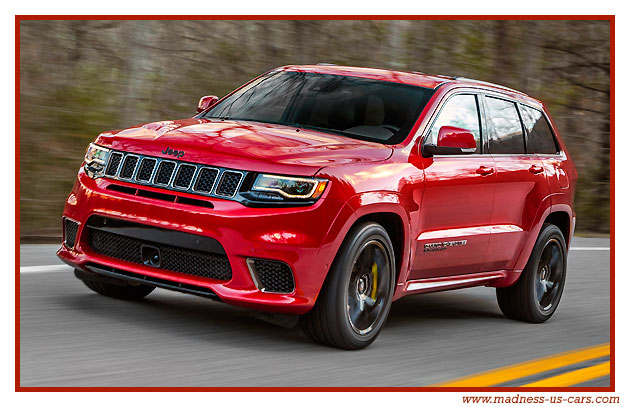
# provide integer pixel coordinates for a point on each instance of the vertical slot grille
(229, 183)
(165, 171)
(129, 166)
(147, 165)
(184, 176)
(206, 179)
(114, 163)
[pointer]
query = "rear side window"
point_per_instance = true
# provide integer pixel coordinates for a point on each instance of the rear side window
(506, 131)
(540, 137)
(460, 111)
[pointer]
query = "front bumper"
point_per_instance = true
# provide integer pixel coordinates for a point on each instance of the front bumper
(299, 237)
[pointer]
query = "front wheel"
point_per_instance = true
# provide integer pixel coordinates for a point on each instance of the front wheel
(357, 295)
(536, 294)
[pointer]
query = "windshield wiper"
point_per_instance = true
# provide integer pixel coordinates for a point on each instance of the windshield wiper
(326, 130)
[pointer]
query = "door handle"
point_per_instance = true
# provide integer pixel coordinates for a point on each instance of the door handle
(536, 169)
(483, 170)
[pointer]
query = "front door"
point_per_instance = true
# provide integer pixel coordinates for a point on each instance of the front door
(457, 203)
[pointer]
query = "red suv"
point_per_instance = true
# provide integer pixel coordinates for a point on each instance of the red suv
(329, 192)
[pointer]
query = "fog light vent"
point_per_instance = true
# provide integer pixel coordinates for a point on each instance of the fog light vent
(271, 276)
(70, 229)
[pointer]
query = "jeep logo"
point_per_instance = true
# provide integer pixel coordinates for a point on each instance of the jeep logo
(174, 153)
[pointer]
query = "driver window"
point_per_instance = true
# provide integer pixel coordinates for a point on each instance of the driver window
(460, 111)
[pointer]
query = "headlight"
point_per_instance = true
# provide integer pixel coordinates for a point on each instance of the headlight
(95, 160)
(290, 188)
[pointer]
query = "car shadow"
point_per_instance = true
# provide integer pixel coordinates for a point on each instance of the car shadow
(206, 320)
(187, 316)
(442, 307)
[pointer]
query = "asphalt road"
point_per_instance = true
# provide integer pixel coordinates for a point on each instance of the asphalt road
(71, 336)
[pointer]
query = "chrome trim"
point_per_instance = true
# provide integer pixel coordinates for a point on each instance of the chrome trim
(251, 266)
(170, 185)
(237, 186)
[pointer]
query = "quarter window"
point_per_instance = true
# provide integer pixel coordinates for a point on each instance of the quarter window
(460, 111)
(506, 131)
(540, 137)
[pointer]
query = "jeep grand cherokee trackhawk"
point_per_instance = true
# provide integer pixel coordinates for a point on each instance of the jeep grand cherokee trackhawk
(329, 192)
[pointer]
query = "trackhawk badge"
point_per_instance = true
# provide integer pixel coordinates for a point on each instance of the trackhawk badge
(433, 247)
(175, 153)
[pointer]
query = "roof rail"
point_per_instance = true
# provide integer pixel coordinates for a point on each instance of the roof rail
(496, 85)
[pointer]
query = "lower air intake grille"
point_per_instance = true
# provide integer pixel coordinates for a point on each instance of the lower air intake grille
(273, 276)
(178, 259)
(70, 228)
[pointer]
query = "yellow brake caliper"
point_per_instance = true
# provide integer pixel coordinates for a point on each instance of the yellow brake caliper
(374, 280)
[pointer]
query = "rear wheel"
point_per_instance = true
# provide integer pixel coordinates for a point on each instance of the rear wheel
(355, 300)
(123, 291)
(536, 295)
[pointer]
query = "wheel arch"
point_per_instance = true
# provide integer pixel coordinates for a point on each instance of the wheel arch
(389, 210)
(562, 220)
(393, 225)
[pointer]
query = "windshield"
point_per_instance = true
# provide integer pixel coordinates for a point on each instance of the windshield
(353, 107)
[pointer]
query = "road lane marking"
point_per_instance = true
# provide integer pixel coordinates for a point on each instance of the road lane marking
(45, 269)
(575, 377)
(521, 370)
(589, 248)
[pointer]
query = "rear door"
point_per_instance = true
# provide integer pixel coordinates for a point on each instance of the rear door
(542, 142)
(457, 202)
(521, 183)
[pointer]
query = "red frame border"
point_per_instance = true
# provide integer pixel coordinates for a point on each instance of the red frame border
(610, 18)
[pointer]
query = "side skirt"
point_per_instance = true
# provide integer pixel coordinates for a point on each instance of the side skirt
(427, 285)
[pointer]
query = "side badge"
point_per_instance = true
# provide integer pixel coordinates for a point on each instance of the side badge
(434, 247)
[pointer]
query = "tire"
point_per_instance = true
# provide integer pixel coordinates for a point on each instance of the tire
(121, 291)
(536, 295)
(356, 297)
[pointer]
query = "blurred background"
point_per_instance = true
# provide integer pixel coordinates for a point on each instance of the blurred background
(80, 78)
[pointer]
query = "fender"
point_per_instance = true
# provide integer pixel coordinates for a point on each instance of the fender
(369, 203)
(543, 212)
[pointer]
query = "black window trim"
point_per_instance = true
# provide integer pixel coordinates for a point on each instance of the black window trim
(480, 115)
(553, 133)
(520, 117)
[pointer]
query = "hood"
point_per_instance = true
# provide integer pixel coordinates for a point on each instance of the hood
(249, 146)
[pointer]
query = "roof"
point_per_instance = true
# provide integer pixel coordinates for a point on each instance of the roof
(409, 78)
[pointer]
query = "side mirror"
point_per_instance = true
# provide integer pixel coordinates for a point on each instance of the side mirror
(451, 141)
(206, 102)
